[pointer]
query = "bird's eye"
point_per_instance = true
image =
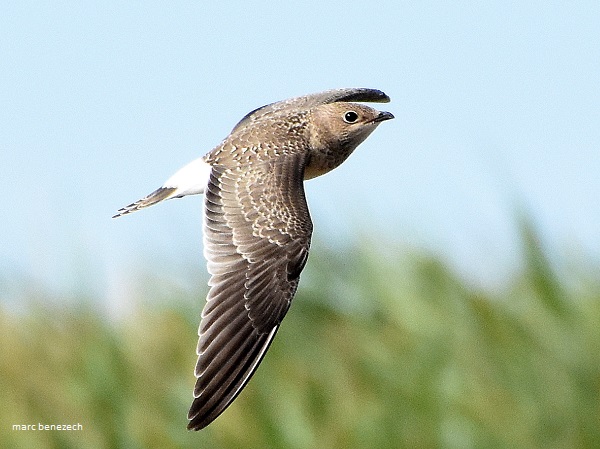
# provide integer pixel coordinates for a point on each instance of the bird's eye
(350, 117)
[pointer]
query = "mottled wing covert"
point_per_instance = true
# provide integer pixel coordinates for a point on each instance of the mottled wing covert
(257, 233)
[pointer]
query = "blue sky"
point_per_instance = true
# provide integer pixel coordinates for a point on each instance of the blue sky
(496, 104)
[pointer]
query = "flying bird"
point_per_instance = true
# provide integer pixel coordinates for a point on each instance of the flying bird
(257, 227)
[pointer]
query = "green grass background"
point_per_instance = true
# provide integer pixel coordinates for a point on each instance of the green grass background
(380, 349)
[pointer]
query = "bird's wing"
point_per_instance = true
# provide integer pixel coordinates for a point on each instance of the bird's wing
(257, 233)
(310, 101)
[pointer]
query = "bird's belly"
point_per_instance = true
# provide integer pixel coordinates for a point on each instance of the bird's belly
(312, 171)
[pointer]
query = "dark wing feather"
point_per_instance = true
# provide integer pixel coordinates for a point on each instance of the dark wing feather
(310, 101)
(256, 237)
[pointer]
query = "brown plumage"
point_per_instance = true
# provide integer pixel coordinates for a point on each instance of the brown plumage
(257, 227)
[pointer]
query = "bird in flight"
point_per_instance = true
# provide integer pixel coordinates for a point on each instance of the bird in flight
(257, 227)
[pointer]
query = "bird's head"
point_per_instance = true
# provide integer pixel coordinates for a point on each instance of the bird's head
(334, 132)
(343, 125)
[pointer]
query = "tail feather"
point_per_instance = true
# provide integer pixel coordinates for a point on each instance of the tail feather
(160, 194)
(188, 180)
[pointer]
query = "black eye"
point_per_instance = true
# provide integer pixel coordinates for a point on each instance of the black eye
(350, 117)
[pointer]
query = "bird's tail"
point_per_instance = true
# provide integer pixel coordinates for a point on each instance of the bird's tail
(189, 180)
(160, 194)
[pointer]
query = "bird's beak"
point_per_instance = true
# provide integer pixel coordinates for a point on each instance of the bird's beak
(383, 116)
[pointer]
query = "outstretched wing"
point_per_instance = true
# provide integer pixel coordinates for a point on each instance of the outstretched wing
(256, 238)
(309, 101)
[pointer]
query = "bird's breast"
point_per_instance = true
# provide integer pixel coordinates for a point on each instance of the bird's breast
(324, 160)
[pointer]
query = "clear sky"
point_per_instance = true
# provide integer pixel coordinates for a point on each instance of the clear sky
(496, 103)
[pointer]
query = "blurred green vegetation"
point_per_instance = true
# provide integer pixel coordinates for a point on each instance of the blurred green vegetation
(380, 349)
